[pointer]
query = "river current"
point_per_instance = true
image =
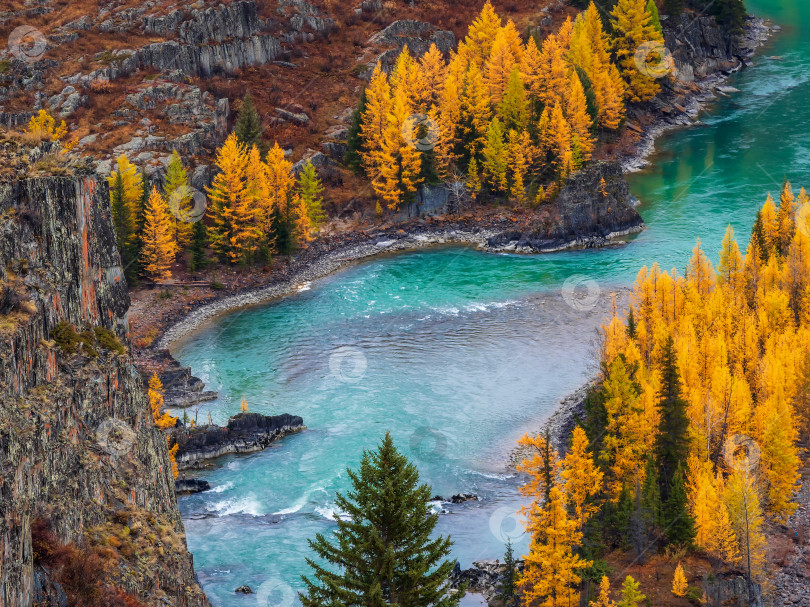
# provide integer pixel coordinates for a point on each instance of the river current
(458, 352)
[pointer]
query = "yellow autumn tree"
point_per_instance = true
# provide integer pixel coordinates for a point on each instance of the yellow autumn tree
(743, 502)
(227, 199)
(576, 114)
(43, 127)
(158, 246)
(679, 585)
(633, 27)
(499, 66)
(550, 576)
(155, 392)
(433, 72)
(374, 121)
(133, 186)
(482, 33)
(400, 161)
(582, 478)
(603, 600)
(173, 457)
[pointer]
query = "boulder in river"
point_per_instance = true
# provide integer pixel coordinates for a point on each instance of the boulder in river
(190, 485)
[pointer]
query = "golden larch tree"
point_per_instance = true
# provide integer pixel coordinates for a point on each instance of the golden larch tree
(158, 245)
(633, 26)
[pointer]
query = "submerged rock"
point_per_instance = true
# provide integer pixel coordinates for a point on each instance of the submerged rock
(245, 433)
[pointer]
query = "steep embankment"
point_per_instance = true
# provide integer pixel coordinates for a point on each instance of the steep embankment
(80, 458)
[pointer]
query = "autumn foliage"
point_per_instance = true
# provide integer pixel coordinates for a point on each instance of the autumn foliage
(521, 112)
(691, 434)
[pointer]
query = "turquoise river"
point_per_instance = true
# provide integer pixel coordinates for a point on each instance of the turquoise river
(457, 352)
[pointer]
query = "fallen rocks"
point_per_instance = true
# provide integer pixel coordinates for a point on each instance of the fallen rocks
(295, 117)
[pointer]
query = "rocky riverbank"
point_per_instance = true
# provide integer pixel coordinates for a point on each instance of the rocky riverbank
(244, 433)
(704, 58)
(584, 215)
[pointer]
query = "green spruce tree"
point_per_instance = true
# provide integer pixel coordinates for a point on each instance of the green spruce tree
(248, 126)
(354, 142)
(199, 240)
(679, 527)
(673, 8)
(672, 441)
(123, 229)
(383, 554)
(509, 578)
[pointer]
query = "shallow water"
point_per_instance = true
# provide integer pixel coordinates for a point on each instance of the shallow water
(457, 352)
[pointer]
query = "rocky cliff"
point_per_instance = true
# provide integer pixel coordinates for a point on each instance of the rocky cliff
(80, 459)
(594, 205)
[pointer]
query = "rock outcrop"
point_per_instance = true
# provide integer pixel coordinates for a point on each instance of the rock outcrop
(180, 387)
(594, 205)
(245, 433)
(78, 447)
(484, 578)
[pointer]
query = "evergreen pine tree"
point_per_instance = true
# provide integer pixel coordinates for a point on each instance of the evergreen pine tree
(679, 527)
(199, 239)
(729, 13)
(509, 577)
(673, 8)
(383, 553)
(673, 443)
(123, 227)
(354, 140)
(248, 128)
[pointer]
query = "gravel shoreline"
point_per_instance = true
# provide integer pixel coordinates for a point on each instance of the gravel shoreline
(322, 264)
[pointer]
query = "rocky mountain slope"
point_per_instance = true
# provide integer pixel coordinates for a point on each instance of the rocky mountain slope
(81, 461)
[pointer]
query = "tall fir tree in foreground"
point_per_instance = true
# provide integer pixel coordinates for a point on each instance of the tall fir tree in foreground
(383, 553)
(248, 128)
(673, 449)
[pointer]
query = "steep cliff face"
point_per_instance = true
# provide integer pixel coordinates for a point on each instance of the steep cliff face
(78, 449)
(594, 205)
